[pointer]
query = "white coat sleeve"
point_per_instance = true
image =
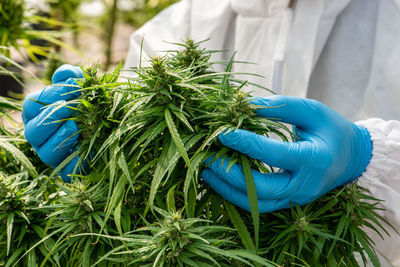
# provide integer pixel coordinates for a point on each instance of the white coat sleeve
(172, 24)
(382, 180)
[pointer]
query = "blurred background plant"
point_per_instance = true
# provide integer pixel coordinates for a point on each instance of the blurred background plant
(138, 12)
(40, 35)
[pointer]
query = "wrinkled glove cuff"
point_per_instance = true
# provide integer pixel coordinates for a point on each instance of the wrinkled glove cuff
(362, 151)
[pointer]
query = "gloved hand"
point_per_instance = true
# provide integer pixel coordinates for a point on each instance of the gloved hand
(52, 139)
(330, 151)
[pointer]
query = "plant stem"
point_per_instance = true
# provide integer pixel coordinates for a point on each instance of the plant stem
(110, 32)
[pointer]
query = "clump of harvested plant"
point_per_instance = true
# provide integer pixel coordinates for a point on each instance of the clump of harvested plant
(68, 12)
(145, 139)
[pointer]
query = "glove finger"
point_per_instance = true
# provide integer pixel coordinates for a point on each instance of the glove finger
(284, 155)
(301, 112)
(60, 145)
(238, 197)
(268, 185)
(49, 95)
(65, 72)
(40, 128)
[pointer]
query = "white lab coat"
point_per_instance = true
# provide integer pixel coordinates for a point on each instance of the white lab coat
(345, 53)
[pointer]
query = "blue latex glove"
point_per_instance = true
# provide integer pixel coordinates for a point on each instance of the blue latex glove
(53, 141)
(331, 151)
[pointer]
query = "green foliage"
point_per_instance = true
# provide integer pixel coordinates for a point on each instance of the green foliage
(326, 231)
(16, 155)
(22, 223)
(77, 209)
(66, 10)
(24, 187)
(11, 22)
(145, 139)
(54, 60)
(16, 30)
(151, 133)
(7, 106)
(174, 241)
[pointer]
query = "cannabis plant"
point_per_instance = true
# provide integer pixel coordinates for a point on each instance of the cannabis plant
(12, 158)
(16, 155)
(22, 224)
(174, 241)
(144, 139)
(24, 188)
(11, 22)
(16, 30)
(76, 209)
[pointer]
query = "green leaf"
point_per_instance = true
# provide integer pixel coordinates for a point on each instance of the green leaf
(171, 199)
(367, 247)
(115, 199)
(182, 117)
(10, 221)
(252, 197)
(192, 171)
(125, 169)
(175, 136)
(253, 257)
(32, 259)
(117, 217)
(212, 136)
(18, 155)
(14, 256)
(240, 226)
(225, 86)
(166, 159)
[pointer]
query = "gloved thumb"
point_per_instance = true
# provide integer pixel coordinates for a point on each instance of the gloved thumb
(65, 72)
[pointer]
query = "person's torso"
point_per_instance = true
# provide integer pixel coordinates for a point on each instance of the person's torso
(355, 73)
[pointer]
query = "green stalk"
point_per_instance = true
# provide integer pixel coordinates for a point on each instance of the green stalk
(110, 32)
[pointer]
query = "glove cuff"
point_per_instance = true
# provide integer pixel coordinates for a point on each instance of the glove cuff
(362, 151)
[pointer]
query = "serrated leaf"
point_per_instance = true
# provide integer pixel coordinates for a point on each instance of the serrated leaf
(10, 222)
(117, 217)
(240, 226)
(176, 137)
(183, 119)
(252, 197)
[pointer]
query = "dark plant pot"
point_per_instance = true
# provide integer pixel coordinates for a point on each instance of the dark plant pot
(8, 85)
